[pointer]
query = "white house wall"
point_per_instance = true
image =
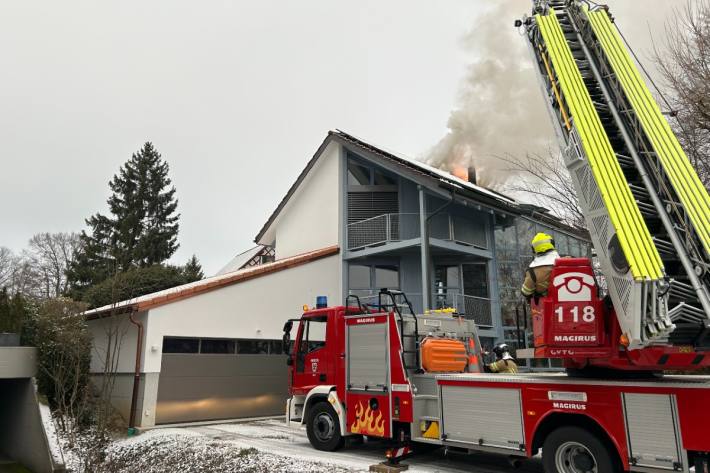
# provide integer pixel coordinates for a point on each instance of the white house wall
(310, 219)
(255, 308)
(119, 328)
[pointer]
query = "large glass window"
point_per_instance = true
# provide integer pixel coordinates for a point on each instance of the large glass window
(367, 279)
(447, 285)
(358, 175)
(525, 232)
(475, 279)
(360, 277)
(382, 179)
(252, 347)
(562, 245)
(217, 346)
(181, 345)
(387, 277)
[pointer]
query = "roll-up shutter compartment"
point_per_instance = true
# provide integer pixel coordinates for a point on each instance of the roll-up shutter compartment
(482, 416)
(652, 430)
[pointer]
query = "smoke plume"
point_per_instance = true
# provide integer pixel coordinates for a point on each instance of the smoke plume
(501, 110)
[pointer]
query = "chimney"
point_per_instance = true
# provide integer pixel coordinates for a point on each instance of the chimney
(472, 175)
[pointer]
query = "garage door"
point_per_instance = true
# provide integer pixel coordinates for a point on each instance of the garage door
(205, 386)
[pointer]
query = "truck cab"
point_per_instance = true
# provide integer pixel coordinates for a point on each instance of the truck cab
(353, 369)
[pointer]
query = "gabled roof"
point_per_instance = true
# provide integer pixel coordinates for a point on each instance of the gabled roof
(437, 175)
(425, 168)
(167, 296)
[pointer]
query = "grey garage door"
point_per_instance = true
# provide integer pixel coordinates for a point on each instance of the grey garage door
(205, 387)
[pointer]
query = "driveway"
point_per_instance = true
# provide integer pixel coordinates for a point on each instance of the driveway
(275, 440)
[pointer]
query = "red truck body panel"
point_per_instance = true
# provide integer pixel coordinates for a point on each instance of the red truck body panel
(379, 412)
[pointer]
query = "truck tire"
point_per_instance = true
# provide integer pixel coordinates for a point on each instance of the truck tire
(323, 427)
(576, 450)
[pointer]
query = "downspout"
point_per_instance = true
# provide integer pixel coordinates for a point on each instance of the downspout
(137, 373)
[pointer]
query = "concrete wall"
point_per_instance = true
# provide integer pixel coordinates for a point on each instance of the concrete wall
(18, 362)
(22, 436)
(310, 219)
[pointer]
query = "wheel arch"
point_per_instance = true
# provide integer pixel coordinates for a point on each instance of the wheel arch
(554, 420)
(319, 393)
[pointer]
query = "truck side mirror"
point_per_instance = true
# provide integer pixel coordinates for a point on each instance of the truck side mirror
(286, 342)
(289, 361)
(288, 326)
(286, 339)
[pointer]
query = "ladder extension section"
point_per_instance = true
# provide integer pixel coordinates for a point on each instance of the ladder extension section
(634, 237)
(680, 173)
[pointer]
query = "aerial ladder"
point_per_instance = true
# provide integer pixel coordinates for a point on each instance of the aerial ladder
(646, 209)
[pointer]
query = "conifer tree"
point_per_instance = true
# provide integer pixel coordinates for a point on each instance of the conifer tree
(193, 270)
(143, 205)
(141, 230)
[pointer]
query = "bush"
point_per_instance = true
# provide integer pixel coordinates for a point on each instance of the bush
(63, 342)
(134, 283)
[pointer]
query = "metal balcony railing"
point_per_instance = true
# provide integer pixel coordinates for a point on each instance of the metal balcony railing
(383, 229)
(475, 308)
(389, 228)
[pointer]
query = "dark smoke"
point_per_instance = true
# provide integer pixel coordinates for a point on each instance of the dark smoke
(501, 109)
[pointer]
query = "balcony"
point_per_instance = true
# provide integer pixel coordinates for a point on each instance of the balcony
(391, 228)
(474, 308)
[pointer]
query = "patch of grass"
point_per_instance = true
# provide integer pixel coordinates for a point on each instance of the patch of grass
(245, 452)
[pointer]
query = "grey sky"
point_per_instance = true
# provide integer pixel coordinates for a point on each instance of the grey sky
(235, 95)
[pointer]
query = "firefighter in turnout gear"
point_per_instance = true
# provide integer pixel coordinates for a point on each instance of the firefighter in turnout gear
(505, 363)
(537, 276)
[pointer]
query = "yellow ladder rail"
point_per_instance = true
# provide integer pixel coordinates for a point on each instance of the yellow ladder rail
(676, 165)
(634, 236)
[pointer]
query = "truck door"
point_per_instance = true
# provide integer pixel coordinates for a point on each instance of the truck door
(312, 363)
(367, 393)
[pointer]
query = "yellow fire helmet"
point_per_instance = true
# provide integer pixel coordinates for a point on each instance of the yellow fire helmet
(542, 243)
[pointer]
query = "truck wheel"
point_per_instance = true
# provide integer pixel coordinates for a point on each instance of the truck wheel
(576, 450)
(323, 428)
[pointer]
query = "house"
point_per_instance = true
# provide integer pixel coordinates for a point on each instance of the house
(358, 218)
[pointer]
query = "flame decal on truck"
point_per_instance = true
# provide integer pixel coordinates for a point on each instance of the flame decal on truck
(366, 423)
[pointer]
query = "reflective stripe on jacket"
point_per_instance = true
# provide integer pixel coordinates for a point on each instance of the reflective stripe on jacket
(537, 280)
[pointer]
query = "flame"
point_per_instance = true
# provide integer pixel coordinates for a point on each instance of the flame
(460, 172)
(366, 423)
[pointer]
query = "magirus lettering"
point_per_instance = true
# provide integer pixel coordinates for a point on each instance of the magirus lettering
(569, 405)
(575, 338)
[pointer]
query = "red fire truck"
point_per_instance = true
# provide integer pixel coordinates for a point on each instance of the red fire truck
(382, 371)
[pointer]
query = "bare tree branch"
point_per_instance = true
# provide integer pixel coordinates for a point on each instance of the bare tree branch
(684, 64)
(546, 182)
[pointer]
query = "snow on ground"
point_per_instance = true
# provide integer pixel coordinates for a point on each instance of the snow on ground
(267, 446)
(51, 433)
